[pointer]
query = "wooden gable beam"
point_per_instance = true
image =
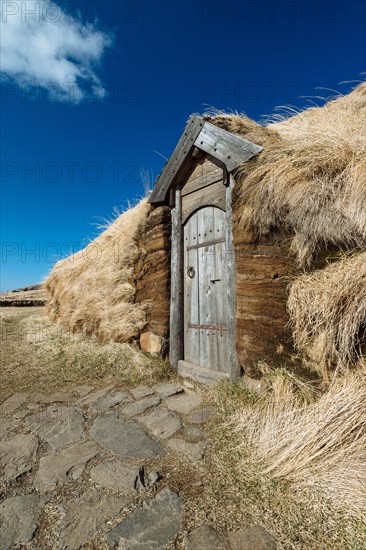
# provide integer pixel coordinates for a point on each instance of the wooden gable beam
(220, 146)
(180, 157)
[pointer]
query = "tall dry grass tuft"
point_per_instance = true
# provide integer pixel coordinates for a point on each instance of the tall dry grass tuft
(328, 314)
(310, 176)
(319, 444)
(93, 291)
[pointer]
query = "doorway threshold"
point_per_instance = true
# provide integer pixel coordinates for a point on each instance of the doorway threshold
(200, 374)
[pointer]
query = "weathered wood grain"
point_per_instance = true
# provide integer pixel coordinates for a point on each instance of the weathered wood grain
(223, 148)
(230, 149)
(180, 164)
(176, 341)
(212, 195)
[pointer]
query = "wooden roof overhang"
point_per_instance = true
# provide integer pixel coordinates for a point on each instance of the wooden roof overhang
(201, 140)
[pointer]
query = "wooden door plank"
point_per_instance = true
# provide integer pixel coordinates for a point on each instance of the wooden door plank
(191, 302)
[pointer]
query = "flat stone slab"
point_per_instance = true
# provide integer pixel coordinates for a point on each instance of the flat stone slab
(193, 433)
(112, 474)
(184, 404)
(201, 415)
(167, 389)
(124, 437)
(56, 397)
(162, 423)
(105, 403)
(82, 390)
(205, 538)
(16, 455)
(92, 397)
(140, 406)
(193, 451)
(152, 527)
(12, 403)
(7, 426)
(59, 425)
(18, 520)
(64, 466)
(85, 516)
(142, 391)
(254, 537)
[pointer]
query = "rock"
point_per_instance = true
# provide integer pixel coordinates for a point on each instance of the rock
(56, 397)
(252, 538)
(153, 527)
(105, 403)
(59, 425)
(124, 437)
(139, 483)
(18, 520)
(184, 404)
(201, 415)
(16, 455)
(205, 538)
(193, 433)
(112, 474)
(12, 403)
(151, 343)
(85, 516)
(162, 423)
(167, 389)
(82, 390)
(7, 426)
(146, 481)
(152, 478)
(194, 451)
(92, 397)
(140, 406)
(64, 466)
(142, 391)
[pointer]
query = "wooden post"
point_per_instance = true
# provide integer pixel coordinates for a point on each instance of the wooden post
(176, 286)
(233, 367)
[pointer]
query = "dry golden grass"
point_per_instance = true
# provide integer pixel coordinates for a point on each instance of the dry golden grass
(310, 176)
(39, 356)
(317, 445)
(93, 291)
(328, 314)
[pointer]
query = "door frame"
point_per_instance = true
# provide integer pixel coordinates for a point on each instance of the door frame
(176, 342)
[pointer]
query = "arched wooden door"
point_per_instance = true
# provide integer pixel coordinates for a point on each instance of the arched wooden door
(205, 289)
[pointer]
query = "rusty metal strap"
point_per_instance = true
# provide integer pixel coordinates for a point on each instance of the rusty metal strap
(207, 243)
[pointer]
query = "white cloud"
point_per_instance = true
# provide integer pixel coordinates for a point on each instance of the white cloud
(43, 47)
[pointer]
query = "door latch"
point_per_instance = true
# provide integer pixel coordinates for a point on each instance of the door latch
(191, 272)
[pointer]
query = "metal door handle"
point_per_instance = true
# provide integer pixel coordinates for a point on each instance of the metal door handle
(191, 272)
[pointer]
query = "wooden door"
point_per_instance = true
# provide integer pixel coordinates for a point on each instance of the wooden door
(206, 320)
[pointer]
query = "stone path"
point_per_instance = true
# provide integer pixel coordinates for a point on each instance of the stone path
(79, 466)
(79, 460)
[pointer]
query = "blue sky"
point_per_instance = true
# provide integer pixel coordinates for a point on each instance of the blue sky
(91, 92)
